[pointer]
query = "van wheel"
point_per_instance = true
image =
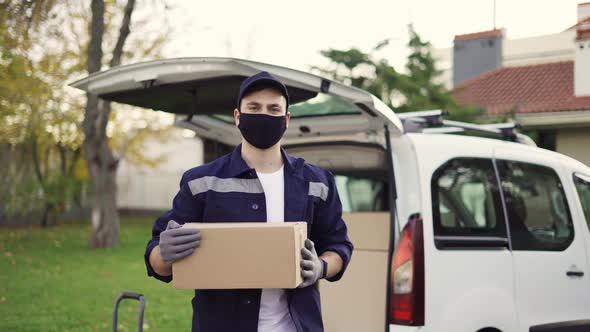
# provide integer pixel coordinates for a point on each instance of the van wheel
(489, 329)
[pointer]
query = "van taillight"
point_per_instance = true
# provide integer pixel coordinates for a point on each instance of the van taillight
(407, 276)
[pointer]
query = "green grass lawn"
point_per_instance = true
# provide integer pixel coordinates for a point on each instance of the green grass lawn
(51, 280)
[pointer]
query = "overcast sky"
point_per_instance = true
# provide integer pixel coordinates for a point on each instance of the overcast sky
(291, 33)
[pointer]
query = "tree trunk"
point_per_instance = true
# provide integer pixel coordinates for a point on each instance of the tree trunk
(44, 217)
(105, 217)
(41, 178)
(102, 164)
(48, 217)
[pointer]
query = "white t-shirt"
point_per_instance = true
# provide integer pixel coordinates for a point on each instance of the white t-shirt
(274, 311)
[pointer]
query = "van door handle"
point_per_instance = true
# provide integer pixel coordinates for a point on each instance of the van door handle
(575, 273)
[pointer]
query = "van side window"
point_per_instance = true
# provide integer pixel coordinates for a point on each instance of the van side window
(583, 188)
(362, 194)
(466, 199)
(536, 207)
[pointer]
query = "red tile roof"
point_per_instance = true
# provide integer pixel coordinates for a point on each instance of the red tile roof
(482, 34)
(547, 87)
(582, 35)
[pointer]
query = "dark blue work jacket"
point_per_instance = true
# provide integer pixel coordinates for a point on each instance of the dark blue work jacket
(227, 190)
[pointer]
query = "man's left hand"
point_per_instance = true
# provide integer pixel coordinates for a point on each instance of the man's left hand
(312, 267)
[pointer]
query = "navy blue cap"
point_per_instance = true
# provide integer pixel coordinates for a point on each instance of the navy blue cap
(265, 79)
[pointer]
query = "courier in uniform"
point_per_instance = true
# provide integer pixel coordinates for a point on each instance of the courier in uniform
(258, 181)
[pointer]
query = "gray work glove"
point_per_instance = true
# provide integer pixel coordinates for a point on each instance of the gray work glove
(177, 242)
(312, 267)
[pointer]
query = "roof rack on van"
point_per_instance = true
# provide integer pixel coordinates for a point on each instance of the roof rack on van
(432, 122)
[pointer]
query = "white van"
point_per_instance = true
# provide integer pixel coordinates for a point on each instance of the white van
(490, 234)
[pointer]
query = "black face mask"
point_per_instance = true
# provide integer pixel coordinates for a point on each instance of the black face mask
(262, 130)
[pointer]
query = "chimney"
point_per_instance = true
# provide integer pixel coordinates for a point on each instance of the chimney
(476, 53)
(582, 60)
(583, 11)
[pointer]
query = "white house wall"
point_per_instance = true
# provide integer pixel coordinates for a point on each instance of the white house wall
(539, 49)
(574, 143)
(148, 188)
(582, 69)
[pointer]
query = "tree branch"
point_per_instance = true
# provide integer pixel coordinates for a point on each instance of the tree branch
(73, 161)
(104, 107)
(62, 157)
(96, 35)
(36, 162)
(123, 34)
(93, 65)
(104, 112)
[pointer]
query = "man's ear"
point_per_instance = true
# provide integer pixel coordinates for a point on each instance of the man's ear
(236, 116)
(288, 117)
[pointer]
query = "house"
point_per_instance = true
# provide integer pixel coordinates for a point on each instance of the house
(146, 189)
(542, 82)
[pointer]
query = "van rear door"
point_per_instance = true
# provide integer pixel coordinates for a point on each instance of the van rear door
(202, 92)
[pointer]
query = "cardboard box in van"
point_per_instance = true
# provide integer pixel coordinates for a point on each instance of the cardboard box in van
(243, 255)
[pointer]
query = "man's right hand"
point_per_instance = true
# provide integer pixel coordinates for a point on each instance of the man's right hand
(177, 242)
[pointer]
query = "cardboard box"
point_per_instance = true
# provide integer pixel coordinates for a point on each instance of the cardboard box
(243, 255)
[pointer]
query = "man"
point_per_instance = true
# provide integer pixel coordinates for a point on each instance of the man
(258, 181)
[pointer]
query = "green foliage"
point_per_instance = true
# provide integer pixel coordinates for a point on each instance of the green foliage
(350, 58)
(24, 195)
(36, 125)
(30, 195)
(415, 90)
(43, 47)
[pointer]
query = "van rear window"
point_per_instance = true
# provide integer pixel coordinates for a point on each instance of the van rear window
(466, 199)
(323, 105)
(536, 206)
